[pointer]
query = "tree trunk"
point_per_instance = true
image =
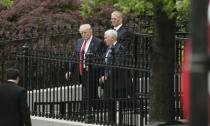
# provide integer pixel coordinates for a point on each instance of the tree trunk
(162, 76)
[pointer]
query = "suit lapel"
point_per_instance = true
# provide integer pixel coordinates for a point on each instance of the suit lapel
(116, 47)
(79, 45)
(120, 29)
(91, 46)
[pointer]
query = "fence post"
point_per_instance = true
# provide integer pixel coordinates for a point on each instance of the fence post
(112, 106)
(135, 74)
(89, 88)
(2, 66)
(25, 66)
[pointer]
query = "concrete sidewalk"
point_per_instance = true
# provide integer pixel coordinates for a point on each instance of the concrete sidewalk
(41, 121)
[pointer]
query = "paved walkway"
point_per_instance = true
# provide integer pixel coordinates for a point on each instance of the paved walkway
(40, 121)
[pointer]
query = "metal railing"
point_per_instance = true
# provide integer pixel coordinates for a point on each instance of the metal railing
(44, 61)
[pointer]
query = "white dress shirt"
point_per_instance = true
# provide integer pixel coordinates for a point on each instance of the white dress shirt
(86, 49)
(118, 27)
(14, 81)
(88, 43)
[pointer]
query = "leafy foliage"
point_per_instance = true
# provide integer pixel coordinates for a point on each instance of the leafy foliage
(178, 9)
(169, 6)
(6, 3)
(88, 7)
(36, 14)
(25, 16)
(134, 6)
(183, 15)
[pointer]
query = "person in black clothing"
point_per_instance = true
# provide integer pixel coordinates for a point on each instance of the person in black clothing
(80, 72)
(88, 44)
(14, 110)
(114, 80)
(124, 36)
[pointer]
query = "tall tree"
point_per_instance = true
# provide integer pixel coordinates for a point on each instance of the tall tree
(162, 65)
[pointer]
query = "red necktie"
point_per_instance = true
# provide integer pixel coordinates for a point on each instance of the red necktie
(82, 51)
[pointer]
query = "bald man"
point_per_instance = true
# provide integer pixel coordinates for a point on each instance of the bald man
(124, 36)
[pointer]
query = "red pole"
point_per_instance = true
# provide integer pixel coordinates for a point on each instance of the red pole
(186, 79)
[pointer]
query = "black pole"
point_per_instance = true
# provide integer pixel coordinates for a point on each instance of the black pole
(199, 69)
(88, 87)
(25, 67)
(2, 67)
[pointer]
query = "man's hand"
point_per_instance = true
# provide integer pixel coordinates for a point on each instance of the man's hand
(102, 79)
(68, 75)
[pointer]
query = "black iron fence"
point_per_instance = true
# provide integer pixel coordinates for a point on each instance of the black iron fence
(44, 61)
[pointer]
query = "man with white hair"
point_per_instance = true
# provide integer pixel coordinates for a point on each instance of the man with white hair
(124, 36)
(113, 55)
(113, 79)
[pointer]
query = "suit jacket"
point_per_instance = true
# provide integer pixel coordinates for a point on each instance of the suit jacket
(124, 37)
(95, 47)
(118, 79)
(14, 110)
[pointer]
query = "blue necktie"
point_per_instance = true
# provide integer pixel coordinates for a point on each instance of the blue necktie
(109, 50)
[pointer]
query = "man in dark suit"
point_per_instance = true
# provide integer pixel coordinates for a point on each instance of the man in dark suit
(85, 46)
(114, 80)
(124, 36)
(88, 44)
(14, 110)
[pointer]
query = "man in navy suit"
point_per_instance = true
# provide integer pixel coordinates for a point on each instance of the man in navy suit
(14, 110)
(88, 44)
(114, 80)
(111, 76)
(124, 36)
